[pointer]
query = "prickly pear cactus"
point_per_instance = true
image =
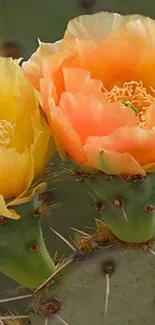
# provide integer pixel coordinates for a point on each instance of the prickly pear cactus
(99, 275)
(102, 289)
(99, 266)
(103, 271)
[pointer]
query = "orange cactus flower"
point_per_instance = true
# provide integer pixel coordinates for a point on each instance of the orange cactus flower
(98, 91)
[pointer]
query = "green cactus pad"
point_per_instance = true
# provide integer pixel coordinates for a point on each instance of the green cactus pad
(79, 296)
(79, 291)
(127, 205)
(23, 255)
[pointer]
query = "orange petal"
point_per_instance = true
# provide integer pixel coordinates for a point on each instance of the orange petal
(48, 91)
(124, 54)
(111, 162)
(150, 168)
(145, 66)
(96, 27)
(138, 142)
(90, 117)
(52, 67)
(64, 134)
(51, 64)
(79, 80)
(150, 117)
(33, 67)
(143, 29)
(115, 61)
(83, 52)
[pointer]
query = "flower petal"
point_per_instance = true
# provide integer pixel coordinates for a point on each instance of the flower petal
(41, 145)
(33, 67)
(28, 195)
(149, 168)
(16, 172)
(64, 134)
(145, 67)
(123, 56)
(143, 27)
(96, 27)
(78, 80)
(115, 61)
(31, 129)
(89, 116)
(52, 67)
(48, 91)
(23, 129)
(150, 117)
(8, 213)
(11, 79)
(57, 71)
(54, 62)
(111, 162)
(138, 142)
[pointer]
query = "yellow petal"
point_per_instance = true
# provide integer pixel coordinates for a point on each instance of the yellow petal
(23, 130)
(8, 213)
(96, 27)
(16, 172)
(14, 215)
(28, 194)
(6, 132)
(11, 78)
(41, 143)
(31, 130)
(149, 168)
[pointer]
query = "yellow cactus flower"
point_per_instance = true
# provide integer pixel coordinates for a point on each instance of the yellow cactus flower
(24, 136)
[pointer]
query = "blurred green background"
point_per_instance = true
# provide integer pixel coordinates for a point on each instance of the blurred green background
(22, 22)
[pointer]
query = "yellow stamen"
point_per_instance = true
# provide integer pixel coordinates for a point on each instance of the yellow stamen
(136, 94)
(6, 131)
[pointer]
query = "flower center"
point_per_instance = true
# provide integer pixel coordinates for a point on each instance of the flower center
(6, 131)
(134, 95)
